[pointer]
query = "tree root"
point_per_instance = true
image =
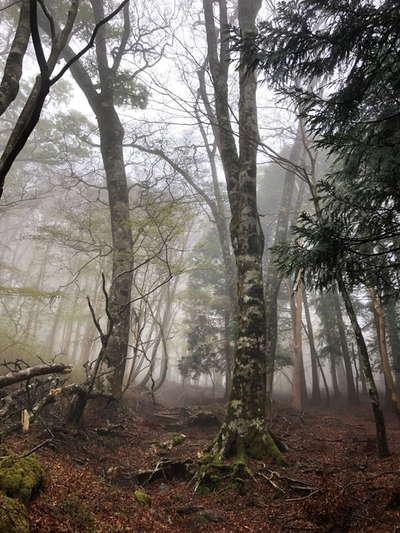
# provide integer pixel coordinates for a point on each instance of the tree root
(228, 456)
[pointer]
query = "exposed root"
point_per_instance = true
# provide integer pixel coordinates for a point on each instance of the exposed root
(228, 456)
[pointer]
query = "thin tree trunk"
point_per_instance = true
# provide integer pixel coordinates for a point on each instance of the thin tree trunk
(351, 392)
(273, 278)
(382, 444)
(316, 393)
(381, 334)
(394, 338)
(299, 387)
(12, 73)
(331, 342)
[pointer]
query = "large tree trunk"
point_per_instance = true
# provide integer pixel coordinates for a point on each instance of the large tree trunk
(382, 444)
(111, 145)
(244, 432)
(111, 138)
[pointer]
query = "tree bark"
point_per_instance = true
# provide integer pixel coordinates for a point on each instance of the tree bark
(31, 372)
(383, 352)
(244, 432)
(316, 393)
(382, 444)
(111, 146)
(351, 391)
(12, 73)
(273, 278)
(299, 383)
(394, 338)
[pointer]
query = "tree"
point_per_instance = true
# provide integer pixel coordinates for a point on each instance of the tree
(102, 82)
(59, 38)
(244, 432)
(303, 46)
(205, 304)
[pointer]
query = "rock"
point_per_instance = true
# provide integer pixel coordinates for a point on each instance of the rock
(143, 498)
(13, 516)
(20, 478)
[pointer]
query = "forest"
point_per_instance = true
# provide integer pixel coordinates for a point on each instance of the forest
(199, 266)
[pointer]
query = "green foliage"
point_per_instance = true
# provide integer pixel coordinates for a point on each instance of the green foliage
(338, 62)
(207, 301)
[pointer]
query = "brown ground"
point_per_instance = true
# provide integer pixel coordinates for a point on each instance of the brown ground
(334, 482)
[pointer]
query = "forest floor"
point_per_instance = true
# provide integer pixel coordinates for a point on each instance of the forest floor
(334, 481)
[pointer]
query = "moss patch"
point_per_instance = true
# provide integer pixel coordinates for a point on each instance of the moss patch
(143, 498)
(13, 516)
(20, 478)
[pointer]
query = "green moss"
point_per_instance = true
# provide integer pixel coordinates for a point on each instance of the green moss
(13, 516)
(20, 478)
(178, 439)
(143, 498)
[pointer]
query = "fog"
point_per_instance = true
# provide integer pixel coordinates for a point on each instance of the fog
(186, 221)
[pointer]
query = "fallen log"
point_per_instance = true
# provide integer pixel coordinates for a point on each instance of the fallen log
(33, 371)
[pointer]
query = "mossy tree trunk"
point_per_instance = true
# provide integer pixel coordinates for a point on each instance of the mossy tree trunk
(244, 432)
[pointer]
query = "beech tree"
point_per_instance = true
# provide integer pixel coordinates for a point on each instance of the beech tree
(106, 84)
(244, 433)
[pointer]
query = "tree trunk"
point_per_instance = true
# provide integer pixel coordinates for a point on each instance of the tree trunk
(382, 444)
(111, 146)
(351, 392)
(394, 338)
(299, 382)
(331, 342)
(243, 433)
(12, 73)
(381, 334)
(273, 278)
(316, 393)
